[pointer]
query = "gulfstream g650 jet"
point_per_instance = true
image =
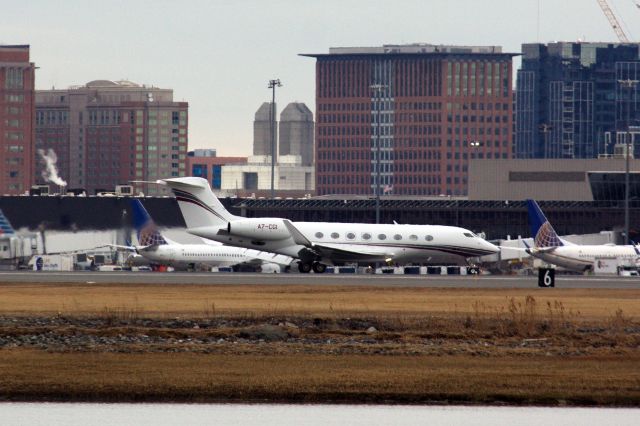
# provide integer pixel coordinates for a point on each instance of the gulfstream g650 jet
(317, 244)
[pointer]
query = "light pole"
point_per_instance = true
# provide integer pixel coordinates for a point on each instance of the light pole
(272, 85)
(629, 85)
(378, 88)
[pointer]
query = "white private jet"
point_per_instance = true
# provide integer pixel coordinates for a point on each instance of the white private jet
(549, 247)
(154, 247)
(317, 244)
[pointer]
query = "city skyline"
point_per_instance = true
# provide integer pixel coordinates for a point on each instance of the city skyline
(219, 56)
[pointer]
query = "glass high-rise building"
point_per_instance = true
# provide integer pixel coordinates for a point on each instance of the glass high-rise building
(576, 100)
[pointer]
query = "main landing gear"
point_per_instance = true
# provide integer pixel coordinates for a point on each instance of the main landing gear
(317, 267)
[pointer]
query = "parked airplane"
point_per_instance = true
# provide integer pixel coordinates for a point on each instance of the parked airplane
(158, 249)
(317, 244)
(549, 247)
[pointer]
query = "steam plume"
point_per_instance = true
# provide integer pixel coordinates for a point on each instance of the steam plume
(50, 173)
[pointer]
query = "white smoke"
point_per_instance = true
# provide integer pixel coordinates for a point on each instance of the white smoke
(50, 173)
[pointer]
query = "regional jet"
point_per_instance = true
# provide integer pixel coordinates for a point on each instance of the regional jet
(318, 244)
(156, 248)
(549, 247)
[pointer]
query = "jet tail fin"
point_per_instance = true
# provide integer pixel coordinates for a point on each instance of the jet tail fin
(5, 225)
(198, 204)
(541, 230)
(146, 229)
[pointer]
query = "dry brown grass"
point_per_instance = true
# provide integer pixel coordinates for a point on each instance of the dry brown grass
(535, 346)
(209, 300)
(36, 375)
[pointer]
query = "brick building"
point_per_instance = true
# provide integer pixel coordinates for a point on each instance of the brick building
(438, 106)
(209, 167)
(108, 133)
(17, 87)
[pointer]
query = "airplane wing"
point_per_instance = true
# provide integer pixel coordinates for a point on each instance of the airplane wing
(298, 237)
(263, 256)
(342, 251)
(119, 247)
(532, 249)
(352, 251)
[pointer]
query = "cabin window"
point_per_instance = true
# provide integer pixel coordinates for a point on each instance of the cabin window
(351, 236)
(397, 237)
(366, 236)
(382, 237)
(319, 235)
(413, 237)
(335, 235)
(429, 238)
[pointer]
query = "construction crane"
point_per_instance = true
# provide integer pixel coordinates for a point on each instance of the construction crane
(613, 21)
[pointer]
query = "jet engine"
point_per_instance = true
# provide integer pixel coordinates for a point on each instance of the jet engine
(259, 228)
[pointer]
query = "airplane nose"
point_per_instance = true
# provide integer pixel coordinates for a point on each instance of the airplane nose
(491, 248)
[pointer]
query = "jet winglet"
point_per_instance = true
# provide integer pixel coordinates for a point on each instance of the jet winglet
(298, 238)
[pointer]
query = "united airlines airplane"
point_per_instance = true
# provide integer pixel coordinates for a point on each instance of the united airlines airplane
(548, 246)
(156, 248)
(318, 244)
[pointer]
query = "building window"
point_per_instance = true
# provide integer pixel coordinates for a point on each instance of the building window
(14, 79)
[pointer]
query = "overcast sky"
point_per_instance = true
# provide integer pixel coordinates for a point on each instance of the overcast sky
(219, 55)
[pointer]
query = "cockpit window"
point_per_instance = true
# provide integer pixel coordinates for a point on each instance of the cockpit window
(469, 234)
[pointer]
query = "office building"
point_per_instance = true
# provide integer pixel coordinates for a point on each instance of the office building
(205, 164)
(575, 99)
(107, 133)
(297, 132)
(17, 88)
(434, 107)
(293, 172)
(262, 127)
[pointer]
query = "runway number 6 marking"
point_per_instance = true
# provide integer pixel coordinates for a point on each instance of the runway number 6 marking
(546, 277)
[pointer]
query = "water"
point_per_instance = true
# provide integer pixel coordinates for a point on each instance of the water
(50, 414)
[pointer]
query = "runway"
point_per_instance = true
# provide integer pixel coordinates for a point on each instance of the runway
(426, 281)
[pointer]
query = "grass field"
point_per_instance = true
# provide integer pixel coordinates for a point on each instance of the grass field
(198, 300)
(37, 375)
(195, 343)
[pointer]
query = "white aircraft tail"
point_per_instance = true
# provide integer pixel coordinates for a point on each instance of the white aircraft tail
(198, 204)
